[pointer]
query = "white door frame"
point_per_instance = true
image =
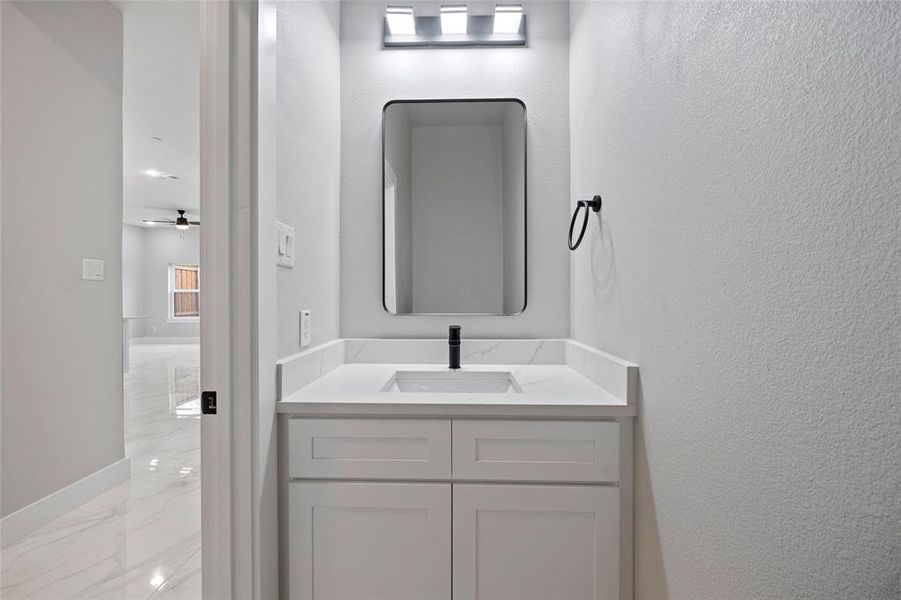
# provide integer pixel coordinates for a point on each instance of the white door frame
(228, 32)
(265, 309)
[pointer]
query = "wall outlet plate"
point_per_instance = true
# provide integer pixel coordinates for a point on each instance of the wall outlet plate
(306, 326)
(92, 269)
(285, 249)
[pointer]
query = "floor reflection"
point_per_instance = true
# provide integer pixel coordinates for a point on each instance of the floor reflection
(184, 391)
(142, 538)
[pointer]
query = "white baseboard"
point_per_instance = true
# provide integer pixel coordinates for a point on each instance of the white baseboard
(16, 525)
(149, 339)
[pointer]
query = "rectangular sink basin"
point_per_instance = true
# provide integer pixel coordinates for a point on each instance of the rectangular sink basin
(452, 382)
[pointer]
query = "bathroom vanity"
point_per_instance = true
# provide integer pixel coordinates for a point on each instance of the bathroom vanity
(405, 477)
(509, 478)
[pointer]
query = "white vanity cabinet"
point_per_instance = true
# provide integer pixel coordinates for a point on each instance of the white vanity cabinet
(370, 540)
(525, 542)
(457, 509)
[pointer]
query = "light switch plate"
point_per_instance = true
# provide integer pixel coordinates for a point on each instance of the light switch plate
(285, 251)
(92, 269)
(306, 326)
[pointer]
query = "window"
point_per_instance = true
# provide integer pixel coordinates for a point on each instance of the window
(184, 292)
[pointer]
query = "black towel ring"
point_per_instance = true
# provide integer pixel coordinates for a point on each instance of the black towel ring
(595, 205)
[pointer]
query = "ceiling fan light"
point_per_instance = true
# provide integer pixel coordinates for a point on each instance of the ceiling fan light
(182, 221)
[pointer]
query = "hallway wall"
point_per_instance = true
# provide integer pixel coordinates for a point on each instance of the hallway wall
(133, 277)
(748, 156)
(62, 414)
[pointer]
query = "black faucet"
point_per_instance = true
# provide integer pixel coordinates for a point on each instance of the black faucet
(453, 347)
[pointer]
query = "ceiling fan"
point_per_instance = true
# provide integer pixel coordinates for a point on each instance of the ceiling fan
(181, 222)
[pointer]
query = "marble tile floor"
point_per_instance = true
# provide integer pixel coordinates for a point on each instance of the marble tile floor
(140, 540)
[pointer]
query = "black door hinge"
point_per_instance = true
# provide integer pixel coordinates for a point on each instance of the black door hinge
(208, 403)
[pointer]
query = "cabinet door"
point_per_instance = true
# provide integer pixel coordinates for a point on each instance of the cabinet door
(525, 542)
(369, 541)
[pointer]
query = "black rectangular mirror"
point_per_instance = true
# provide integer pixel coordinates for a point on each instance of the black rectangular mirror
(454, 207)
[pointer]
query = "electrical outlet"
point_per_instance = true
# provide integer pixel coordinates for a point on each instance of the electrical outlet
(92, 269)
(305, 328)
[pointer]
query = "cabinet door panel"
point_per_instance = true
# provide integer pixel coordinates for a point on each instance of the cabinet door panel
(524, 542)
(372, 541)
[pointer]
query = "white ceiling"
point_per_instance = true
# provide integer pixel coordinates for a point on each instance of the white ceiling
(161, 92)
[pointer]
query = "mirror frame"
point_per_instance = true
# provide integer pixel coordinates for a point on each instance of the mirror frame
(525, 204)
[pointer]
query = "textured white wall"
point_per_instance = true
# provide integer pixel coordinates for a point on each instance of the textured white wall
(750, 261)
(309, 126)
(61, 202)
(164, 246)
(370, 77)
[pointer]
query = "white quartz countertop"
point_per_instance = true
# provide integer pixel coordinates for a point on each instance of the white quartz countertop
(547, 391)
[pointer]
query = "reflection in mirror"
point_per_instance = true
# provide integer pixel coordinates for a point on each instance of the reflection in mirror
(454, 209)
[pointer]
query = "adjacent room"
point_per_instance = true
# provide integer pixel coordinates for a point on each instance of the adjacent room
(130, 174)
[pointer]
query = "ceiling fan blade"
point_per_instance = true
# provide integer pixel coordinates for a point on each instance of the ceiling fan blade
(158, 221)
(194, 222)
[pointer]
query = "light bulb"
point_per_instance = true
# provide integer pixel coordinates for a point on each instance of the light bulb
(400, 20)
(453, 19)
(507, 18)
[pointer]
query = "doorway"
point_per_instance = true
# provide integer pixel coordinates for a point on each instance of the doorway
(162, 279)
(116, 88)
(89, 532)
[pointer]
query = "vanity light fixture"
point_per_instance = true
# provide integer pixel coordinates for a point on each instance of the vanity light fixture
(454, 19)
(507, 18)
(455, 27)
(400, 20)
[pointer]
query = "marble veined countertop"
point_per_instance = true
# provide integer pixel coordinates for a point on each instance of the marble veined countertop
(548, 390)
